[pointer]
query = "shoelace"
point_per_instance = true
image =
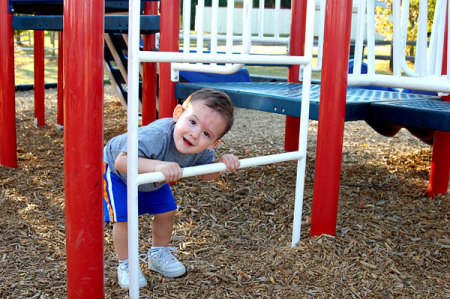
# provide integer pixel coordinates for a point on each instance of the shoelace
(165, 251)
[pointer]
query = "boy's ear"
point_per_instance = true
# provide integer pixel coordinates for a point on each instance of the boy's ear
(177, 112)
(215, 143)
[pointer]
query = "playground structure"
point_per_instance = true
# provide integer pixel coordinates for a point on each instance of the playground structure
(342, 71)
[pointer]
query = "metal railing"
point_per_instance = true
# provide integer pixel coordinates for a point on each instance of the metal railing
(135, 57)
(429, 56)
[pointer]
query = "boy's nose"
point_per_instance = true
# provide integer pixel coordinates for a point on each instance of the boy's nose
(195, 132)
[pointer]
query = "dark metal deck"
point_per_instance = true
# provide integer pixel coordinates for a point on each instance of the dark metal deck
(361, 104)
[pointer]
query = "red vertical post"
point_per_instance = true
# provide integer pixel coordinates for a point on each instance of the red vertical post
(296, 48)
(331, 116)
(149, 80)
(8, 143)
(440, 163)
(170, 27)
(39, 83)
(83, 146)
(60, 112)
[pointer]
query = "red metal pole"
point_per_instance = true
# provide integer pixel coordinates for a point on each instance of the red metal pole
(440, 163)
(170, 27)
(8, 143)
(331, 116)
(297, 48)
(60, 113)
(83, 146)
(39, 83)
(149, 82)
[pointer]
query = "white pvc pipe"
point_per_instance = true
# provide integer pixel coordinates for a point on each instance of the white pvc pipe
(404, 38)
(246, 26)
(132, 162)
(359, 37)
(422, 38)
(440, 34)
(153, 177)
(448, 41)
(230, 27)
(199, 25)
(304, 120)
(276, 28)
(226, 69)
(186, 26)
(264, 39)
(261, 18)
(397, 38)
(148, 56)
(429, 83)
(370, 38)
(320, 33)
(214, 16)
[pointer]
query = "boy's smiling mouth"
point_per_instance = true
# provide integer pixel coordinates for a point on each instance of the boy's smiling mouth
(187, 142)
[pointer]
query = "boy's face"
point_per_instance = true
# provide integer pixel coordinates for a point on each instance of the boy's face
(197, 128)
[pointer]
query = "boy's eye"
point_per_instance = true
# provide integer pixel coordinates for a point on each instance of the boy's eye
(192, 121)
(206, 134)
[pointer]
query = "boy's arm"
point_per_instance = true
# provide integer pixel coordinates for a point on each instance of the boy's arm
(231, 162)
(171, 170)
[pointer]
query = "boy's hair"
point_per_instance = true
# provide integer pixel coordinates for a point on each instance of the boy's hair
(216, 100)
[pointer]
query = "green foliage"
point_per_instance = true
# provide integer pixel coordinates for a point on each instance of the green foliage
(384, 24)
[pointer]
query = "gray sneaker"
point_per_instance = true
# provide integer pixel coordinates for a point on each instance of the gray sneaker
(123, 274)
(161, 260)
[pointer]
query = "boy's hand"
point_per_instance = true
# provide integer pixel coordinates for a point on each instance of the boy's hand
(231, 162)
(171, 170)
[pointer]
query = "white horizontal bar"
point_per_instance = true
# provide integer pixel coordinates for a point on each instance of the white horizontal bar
(152, 177)
(430, 83)
(150, 56)
(254, 39)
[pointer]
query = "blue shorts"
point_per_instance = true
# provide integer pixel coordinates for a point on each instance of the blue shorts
(115, 199)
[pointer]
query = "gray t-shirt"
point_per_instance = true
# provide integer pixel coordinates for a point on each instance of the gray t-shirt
(155, 142)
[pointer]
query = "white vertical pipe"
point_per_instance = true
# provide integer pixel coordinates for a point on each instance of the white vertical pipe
(214, 17)
(422, 38)
(246, 26)
(199, 25)
(404, 39)
(359, 37)
(276, 29)
(261, 18)
(397, 38)
(186, 26)
(370, 38)
(440, 35)
(448, 40)
(304, 119)
(433, 39)
(321, 33)
(230, 28)
(132, 156)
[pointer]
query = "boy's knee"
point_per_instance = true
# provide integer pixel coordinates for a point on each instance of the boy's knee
(165, 216)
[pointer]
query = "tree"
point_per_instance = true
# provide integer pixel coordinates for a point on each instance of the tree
(384, 24)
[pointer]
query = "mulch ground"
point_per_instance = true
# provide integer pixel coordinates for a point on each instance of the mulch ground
(234, 234)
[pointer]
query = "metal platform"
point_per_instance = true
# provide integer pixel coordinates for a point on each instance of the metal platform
(55, 7)
(113, 23)
(361, 104)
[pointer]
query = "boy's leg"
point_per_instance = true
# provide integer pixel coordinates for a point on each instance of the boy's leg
(162, 229)
(120, 239)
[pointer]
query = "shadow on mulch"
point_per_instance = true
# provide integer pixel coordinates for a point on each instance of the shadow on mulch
(233, 234)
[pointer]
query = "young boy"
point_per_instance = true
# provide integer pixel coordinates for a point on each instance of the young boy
(165, 145)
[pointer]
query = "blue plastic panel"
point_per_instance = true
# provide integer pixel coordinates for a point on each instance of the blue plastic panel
(52, 7)
(285, 98)
(113, 23)
(420, 113)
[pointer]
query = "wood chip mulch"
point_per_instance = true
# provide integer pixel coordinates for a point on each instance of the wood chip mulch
(234, 234)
